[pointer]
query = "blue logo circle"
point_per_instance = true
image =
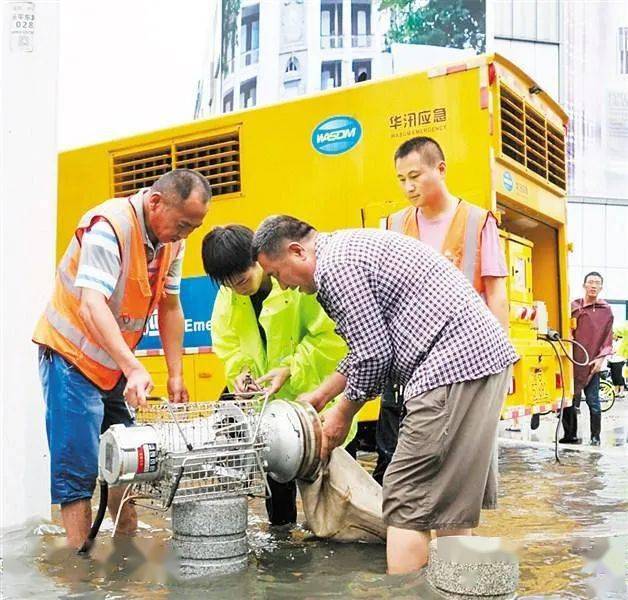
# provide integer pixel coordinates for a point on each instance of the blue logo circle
(336, 135)
(508, 181)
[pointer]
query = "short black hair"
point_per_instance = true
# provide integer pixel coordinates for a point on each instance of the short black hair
(179, 184)
(226, 252)
(592, 274)
(275, 230)
(427, 147)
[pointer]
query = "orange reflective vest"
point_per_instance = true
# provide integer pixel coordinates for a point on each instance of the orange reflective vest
(462, 244)
(132, 301)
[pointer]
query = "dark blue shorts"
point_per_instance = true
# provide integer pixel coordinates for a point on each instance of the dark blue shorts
(76, 413)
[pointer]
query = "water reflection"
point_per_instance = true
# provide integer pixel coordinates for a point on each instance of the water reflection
(562, 516)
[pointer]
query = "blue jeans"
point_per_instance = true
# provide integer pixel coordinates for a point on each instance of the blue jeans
(592, 395)
(76, 413)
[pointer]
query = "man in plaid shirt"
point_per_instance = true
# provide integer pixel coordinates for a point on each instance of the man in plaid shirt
(408, 313)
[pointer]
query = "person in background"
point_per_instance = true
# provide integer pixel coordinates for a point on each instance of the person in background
(592, 327)
(464, 233)
(267, 335)
(123, 261)
(617, 361)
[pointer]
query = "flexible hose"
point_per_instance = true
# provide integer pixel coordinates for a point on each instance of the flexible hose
(550, 339)
(562, 398)
(571, 358)
(100, 515)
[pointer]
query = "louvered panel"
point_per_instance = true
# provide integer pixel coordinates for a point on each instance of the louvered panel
(132, 172)
(556, 157)
(527, 138)
(536, 143)
(218, 158)
(513, 128)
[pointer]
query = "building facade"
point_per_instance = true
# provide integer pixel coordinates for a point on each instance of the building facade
(265, 51)
(578, 52)
(270, 51)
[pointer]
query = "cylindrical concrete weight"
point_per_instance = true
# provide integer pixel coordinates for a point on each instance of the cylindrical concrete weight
(224, 516)
(191, 569)
(472, 566)
(205, 548)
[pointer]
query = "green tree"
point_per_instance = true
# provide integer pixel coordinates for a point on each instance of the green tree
(449, 23)
(230, 12)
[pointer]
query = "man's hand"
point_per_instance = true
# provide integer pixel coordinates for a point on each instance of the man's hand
(244, 383)
(336, 424)
(276, 377)
(596, 365)
(177, 392)
(138, 385)
(315, 398)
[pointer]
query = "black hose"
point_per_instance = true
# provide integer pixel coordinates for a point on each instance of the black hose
(562, 399)
(100, 515)
(550, 338)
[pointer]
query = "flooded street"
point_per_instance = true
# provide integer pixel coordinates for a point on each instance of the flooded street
(570, 521)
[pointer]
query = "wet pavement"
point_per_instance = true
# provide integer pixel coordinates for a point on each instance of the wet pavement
(569, 520)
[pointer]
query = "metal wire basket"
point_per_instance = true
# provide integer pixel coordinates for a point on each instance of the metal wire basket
(205, 450)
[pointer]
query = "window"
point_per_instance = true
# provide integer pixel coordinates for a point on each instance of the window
(361, 70)
(291, 89)
(227, 102)
(248, 93)
(292, 78)
(229, 63)
(250, 35)
(331, 74)
(361, 25)
(293, 66)
(331, 25)
(622, 47)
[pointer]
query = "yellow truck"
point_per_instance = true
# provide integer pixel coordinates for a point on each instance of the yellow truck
(327, 158)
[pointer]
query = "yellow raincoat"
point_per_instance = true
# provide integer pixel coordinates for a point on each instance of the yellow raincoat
(299, 335)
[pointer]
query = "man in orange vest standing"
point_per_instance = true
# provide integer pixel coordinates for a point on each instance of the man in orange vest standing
(123, 262)
(464, 233)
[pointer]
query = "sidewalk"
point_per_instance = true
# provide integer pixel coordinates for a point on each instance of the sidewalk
(614, 428)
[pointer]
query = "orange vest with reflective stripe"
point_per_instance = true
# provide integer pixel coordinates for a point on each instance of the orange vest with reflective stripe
(132, 301)
(462, 244)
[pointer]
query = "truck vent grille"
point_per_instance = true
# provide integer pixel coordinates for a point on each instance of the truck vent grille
(132, 172)
(216, 157)
(529, 139)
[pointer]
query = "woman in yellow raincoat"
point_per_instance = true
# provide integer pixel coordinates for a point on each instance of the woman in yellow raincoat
(264, 335)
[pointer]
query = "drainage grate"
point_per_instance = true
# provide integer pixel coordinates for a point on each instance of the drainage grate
(530, 140)
(216, 157)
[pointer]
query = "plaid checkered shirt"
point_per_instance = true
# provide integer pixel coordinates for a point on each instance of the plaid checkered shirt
(405, 312)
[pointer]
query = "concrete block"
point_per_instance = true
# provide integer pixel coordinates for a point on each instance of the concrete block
(228, 546)
(224, 516)
(191, 569)
(472, 566)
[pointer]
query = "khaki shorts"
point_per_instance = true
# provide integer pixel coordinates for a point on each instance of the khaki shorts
(444, 470)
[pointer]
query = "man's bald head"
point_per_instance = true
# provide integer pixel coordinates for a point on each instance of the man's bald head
(177, 185)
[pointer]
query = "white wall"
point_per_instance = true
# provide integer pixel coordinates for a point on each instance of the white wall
(28, 184)
(540, 61)
(598, 233)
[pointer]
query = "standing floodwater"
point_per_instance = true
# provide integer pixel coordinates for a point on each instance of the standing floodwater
(571, 521)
